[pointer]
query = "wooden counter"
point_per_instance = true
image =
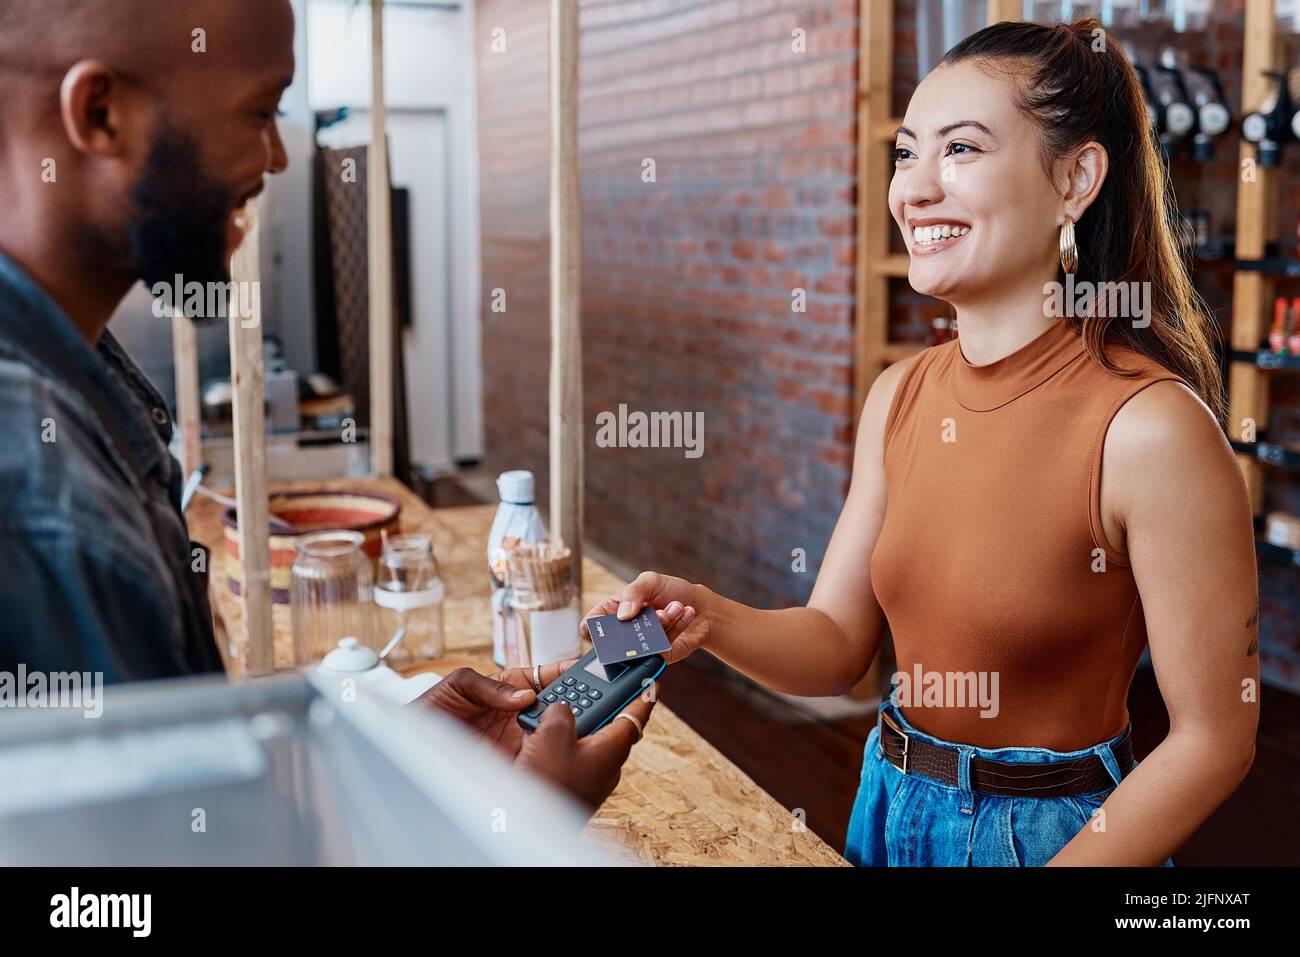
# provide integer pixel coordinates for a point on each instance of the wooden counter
(680, 801)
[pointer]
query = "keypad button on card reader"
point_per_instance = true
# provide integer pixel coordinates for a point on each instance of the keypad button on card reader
(550, 697)
(571, 696)
(570, 681)
(593, 693)
(576, 711)
(580, 686)
(584, 702)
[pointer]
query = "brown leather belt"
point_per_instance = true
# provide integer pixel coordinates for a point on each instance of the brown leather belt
(1080, 776)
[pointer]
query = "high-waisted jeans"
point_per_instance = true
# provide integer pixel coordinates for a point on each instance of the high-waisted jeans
(913, 820)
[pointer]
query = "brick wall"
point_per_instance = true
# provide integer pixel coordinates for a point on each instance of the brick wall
(515, 234)
(687, 280)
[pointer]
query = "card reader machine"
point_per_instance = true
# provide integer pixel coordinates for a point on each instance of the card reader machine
(593, 692)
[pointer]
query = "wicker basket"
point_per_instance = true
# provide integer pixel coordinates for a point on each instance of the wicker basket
(309, 512)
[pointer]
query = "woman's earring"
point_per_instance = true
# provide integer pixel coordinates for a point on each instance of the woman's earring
(1069, 249)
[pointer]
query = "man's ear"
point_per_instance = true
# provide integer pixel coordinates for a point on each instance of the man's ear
(92, 107)
(1085, 173)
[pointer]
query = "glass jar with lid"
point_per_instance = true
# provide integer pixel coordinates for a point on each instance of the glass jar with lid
(331, 595)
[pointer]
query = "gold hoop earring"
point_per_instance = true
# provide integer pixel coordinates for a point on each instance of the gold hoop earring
(1069, 249)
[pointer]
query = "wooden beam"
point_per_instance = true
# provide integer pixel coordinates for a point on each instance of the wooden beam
(898, 351)
(566, 424)
(886, 131)
(1000, 10)
(1257, 200)
(894, 265)
(875, 113)
(246, 376)
(380, 245)
(185, 364)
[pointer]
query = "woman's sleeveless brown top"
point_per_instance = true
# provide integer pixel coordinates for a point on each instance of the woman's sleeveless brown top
(1014, 622)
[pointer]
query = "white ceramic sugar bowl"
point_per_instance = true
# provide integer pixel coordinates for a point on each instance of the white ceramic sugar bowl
(354, 666)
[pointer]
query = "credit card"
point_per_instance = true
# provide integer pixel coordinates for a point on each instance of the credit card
(617, 640)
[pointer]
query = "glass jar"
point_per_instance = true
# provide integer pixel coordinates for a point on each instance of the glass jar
(409, 598)
(542, 613)
(330, 595)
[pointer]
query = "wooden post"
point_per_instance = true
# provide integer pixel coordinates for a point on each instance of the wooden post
(875, 136)
(566, 423)
(1000, 10)
(1251, 291)
(380, 243)
(246, 376)
(185, 359)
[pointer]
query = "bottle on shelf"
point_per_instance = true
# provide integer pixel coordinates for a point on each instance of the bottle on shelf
(1144, 78)
(1191, 16)
(1277, 334)
(1292, 87)
(1175, 117)
(1212, 114)
(1293, 333)
(939, 331)
(1273, 123)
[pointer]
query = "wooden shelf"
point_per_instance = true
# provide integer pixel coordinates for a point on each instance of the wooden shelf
(1267, 359)
(898, 351)
(894, 266)
(1274, 266)
(887, 130)
(1256, 263)
(1277, 553)
(1269, 453)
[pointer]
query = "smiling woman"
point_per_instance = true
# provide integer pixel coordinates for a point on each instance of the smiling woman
(1062, 132)
(1031, 504)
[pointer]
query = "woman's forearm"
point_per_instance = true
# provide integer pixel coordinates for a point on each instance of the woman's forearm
(799, 651)
(1160, 804)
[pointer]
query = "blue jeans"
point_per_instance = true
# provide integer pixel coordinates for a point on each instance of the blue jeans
(913, 820)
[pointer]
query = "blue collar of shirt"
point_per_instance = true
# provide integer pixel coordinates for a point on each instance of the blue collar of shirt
(34, 324)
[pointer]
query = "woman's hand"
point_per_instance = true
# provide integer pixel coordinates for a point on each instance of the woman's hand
(680, 605)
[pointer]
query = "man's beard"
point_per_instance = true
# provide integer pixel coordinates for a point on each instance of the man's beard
(178, 217)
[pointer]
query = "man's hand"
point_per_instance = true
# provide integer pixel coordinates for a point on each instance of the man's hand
(488, 706)
(587, 768)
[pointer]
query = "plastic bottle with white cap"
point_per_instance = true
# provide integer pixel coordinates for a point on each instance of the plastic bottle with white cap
(517, 522)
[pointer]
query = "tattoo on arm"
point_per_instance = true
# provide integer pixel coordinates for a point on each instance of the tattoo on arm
(1254, 641)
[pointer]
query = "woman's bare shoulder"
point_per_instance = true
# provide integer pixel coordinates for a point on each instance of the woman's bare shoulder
(1166, 412)
(880, 397)
(1166, 436)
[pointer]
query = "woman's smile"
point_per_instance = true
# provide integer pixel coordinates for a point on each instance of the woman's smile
(931, 236)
